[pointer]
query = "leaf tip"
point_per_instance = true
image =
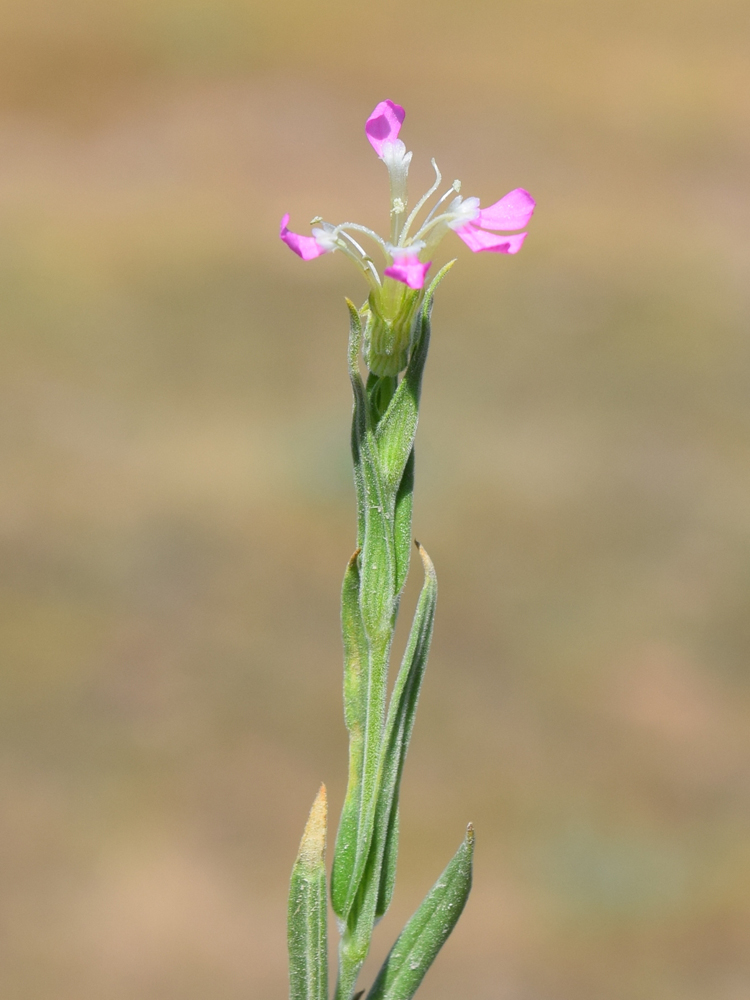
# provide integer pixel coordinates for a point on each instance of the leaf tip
(470, 834)
(426, 561)
(436, 281)
(313, 844)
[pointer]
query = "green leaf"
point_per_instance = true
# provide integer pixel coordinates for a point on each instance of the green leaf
(380, 389)
(396, 430)
(399, 726)
(420, 941)
(355, 716)
(359, 417)
(307, 919)
(402, 523)
(374, 887)
(375, 511)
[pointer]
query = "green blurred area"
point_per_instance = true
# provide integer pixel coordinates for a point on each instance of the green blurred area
(176, 508)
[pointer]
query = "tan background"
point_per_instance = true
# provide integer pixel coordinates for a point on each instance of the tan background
(176, 505)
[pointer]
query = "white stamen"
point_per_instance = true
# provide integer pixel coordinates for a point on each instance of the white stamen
(368, 232)
(365, 260)
(459, 214)
(422, 200)
(453, 189)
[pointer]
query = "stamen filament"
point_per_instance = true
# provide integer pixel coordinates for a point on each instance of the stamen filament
(420, 203)
(364, 262)
(453, 189)
(339, 232)
(427, 227)
(366, 231)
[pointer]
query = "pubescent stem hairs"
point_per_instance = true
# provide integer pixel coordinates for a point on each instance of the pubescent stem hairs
(391, 333)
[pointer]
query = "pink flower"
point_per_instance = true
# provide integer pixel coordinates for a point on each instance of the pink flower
(511, 212)
(307, 247)
(407, 267)
(384, 124)
(414, 234)
(494, 228)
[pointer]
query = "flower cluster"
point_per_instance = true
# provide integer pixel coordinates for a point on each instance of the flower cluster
(392, 304)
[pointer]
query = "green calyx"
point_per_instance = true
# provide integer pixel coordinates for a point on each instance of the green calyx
(391, 317)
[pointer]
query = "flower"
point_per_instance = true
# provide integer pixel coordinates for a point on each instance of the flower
(513, 211)
(406, 266)
(307, 247)
(393, 305)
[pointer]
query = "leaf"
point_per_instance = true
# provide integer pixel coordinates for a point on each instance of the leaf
(373, 884)
(402, 523)
(355, 716)
(307, 920)
(359, 417)
(401, 714)
(420, 941)
(375, 533)
(396, 430)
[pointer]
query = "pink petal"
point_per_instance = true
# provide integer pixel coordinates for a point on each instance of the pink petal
(477, 239)
(409, 270)
(307, 247)
(511, 212)
(384, 124)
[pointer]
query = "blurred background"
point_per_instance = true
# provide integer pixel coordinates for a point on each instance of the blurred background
(176, 507)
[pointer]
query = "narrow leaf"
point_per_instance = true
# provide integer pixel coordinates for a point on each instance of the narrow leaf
(307, 919)
(399, 726)
(402, 523)
(398, 427)
(359, 416)
(355, 715)
(373, 884)
(420, 941)
(375, 532)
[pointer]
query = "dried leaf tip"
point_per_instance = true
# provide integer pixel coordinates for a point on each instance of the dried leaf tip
(426, 561)
(470, 834)
(313, 844)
